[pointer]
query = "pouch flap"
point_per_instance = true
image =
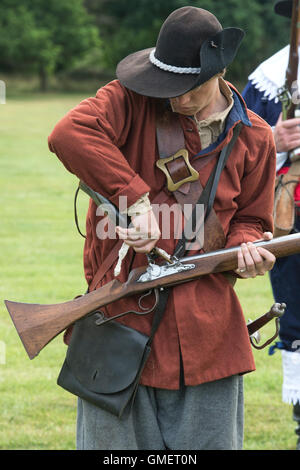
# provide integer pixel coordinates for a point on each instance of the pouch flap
(105, 358)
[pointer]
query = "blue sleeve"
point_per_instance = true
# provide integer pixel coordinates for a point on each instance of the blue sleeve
(257, 102)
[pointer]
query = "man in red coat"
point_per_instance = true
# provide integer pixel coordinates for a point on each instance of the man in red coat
(190, 393)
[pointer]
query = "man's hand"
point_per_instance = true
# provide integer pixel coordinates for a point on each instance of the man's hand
(255, 261)
(143, 236)
(287, 134)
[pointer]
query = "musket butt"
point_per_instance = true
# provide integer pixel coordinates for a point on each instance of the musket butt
(19, 317)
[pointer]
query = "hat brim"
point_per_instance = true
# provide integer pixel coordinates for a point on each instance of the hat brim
(284, 8)
(137, 73)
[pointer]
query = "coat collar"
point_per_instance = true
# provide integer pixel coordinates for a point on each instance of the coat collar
(237, 114)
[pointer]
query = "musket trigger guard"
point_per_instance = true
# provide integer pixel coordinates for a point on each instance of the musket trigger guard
(101, 319)
(252, 337)
(149, 292)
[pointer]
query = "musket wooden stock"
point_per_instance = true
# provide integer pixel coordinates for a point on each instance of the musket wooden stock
(38, 324)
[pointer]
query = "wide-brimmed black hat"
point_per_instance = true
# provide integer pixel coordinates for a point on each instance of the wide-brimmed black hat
(284, 8)
(191, 48)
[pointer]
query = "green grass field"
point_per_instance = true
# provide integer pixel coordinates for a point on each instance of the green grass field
(41, 262)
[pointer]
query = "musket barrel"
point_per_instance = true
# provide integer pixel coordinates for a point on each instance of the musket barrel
(226, 257)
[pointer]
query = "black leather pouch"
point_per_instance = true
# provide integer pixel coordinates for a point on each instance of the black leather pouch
(104, 363)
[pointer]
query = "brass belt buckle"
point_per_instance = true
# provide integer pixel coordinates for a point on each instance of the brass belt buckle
(177, 169)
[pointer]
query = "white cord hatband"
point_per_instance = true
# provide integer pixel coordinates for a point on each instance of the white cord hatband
(172, 68)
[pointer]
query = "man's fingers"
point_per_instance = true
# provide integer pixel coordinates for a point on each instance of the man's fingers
(249, 260)
(269, 258)
(133, 234)
(268, 236)
(287, 134)
(144, 233)
(293, 143)
(253, 261)
(259, 263)
(288, 123)
(241, 262)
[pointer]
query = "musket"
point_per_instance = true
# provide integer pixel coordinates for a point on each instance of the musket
(38, 324)
(290, 90)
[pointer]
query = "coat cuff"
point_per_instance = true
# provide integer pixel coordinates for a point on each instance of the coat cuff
(236, 238)
(130, 193)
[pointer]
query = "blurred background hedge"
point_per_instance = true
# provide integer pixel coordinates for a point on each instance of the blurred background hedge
(84, 39)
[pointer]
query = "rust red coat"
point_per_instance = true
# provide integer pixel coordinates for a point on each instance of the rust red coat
(109, 142)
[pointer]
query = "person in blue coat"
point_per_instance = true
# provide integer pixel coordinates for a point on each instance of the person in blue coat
(261, 96)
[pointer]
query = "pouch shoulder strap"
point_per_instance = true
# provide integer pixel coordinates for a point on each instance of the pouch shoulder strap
(226, 151)
(208, 194)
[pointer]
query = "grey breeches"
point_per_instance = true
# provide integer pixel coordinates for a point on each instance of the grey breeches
(203, 417)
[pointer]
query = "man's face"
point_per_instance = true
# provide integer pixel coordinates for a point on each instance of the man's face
(197, 99)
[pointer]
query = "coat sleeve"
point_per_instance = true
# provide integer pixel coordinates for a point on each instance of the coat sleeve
(89, 139)
(254, 214)
(256, 100)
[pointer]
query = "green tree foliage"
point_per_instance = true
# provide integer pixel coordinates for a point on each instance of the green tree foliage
(129, 25)
(49, 36)
(44, 36)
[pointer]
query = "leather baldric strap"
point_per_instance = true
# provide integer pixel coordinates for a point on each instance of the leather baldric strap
(212, 225)
(170, 140)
